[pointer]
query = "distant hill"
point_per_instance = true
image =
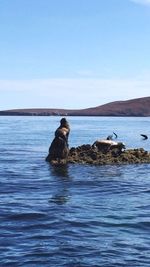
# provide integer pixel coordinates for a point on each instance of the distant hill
(134, 107)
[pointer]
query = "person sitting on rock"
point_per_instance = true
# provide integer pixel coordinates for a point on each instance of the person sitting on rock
(59, 148)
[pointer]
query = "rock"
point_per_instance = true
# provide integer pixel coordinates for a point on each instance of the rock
(87, 154)
(107, 145)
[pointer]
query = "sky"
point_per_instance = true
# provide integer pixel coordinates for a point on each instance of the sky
(73, 54)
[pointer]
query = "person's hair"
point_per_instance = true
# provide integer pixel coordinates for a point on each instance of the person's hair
(64, 123)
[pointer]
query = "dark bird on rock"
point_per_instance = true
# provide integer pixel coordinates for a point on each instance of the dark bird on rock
(110, 137)
(115, 135)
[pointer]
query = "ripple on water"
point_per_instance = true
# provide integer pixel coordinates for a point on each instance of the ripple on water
(75, 216)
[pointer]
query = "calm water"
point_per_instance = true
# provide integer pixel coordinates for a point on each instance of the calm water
(76, 216)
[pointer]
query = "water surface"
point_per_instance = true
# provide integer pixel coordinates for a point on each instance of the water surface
(77, 215)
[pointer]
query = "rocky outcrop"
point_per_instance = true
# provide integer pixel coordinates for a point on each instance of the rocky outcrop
(87, 154)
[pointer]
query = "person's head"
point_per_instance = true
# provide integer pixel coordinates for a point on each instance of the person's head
(63, 122)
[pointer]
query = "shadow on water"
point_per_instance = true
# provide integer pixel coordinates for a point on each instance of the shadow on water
(62, 180)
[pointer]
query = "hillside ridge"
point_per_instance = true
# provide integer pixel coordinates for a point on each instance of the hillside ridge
(132, 107)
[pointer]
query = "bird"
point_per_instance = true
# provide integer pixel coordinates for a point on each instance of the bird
(110, 137)
(115, 135)
(144, 136)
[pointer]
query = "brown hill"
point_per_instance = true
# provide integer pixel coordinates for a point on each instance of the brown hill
(134, 107)
(36, 112)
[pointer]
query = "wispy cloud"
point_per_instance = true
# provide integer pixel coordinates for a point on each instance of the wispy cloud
(142, 2)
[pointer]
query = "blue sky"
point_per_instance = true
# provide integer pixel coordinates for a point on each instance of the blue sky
(73, 53)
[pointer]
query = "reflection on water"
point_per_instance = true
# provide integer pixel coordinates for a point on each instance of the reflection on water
(60, 171)
(60, 198)
(61, 174)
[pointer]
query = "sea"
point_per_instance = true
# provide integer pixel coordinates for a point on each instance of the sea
(74, 215)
